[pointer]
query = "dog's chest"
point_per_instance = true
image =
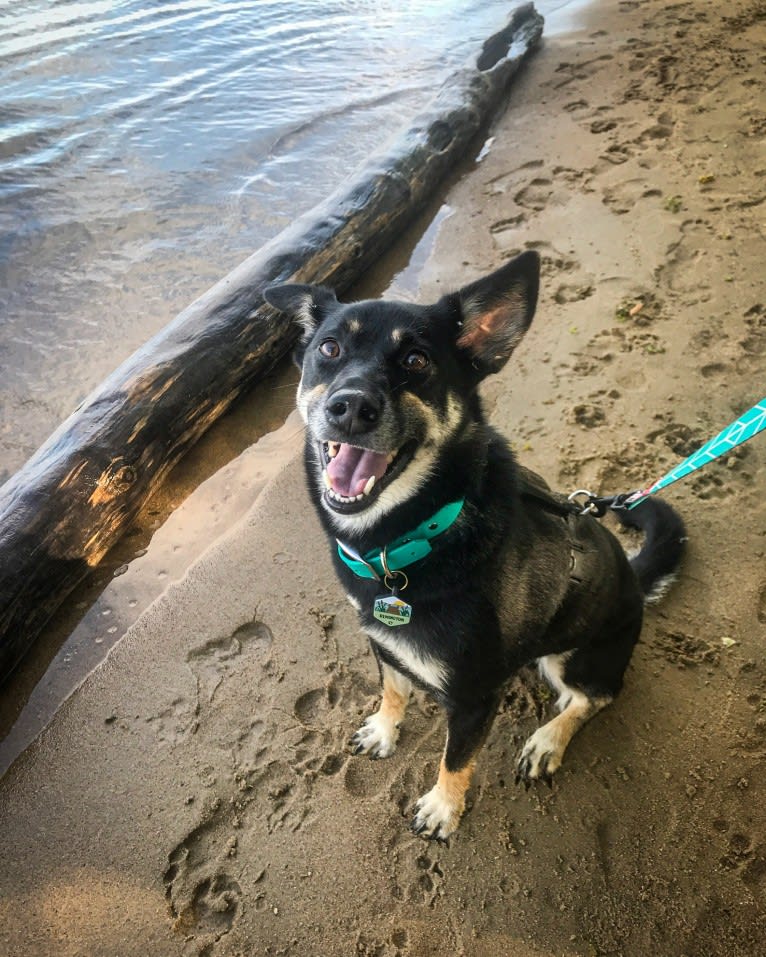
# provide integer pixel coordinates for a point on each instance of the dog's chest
(428, 670)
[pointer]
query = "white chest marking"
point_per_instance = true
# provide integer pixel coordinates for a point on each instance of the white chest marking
(429, 670)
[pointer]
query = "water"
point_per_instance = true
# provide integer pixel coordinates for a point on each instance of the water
(148, 148)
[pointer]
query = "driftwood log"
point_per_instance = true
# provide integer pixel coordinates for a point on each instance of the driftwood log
(68, 505)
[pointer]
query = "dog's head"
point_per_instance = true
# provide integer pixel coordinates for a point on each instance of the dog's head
(385, 385)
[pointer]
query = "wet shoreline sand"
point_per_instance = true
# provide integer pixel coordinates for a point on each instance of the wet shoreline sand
(195, 796)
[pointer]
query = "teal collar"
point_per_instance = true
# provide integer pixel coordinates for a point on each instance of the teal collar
(403, 551)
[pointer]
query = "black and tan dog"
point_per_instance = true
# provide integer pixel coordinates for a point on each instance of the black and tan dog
(462, 565)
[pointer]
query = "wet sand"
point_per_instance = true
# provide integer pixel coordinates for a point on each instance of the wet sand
(196, 795)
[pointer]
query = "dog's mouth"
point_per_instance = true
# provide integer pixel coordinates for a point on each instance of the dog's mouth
(355, 476)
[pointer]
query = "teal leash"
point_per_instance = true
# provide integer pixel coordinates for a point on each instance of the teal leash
(748, 425)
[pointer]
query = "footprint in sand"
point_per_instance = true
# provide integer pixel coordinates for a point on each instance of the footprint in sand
(713, 370)
(542, 192)
(617, 339)
(418, 877)
(630, 466)
(680, 439)
(582, 70)
(623, 197)
(616, 154)
(724, 477)
(174, 722)
(754, 343)
(536, 195)
(396, 944)
(682, 650)
(510, 179)
(568, 293)
(203, 895)
(211, 664)
(602, 126)
(505, 232)
(215, 660)
(552, 262)
(747, 858)
(329, 716)
(588, 416)
(657, 134)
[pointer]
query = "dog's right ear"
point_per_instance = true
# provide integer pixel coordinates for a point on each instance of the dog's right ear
(307, 304)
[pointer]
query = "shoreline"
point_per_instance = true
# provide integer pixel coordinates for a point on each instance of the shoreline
(195, 795)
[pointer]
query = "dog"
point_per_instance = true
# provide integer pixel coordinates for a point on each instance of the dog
(462, 565)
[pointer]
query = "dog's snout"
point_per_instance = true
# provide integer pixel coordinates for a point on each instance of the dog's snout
(353, 410)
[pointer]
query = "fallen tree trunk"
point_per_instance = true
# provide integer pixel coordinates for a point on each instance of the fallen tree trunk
(68, 505)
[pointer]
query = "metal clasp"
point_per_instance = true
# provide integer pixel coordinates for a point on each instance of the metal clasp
(588, 506)
(388, 574)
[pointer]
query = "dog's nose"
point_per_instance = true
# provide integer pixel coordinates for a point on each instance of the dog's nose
(353, 410)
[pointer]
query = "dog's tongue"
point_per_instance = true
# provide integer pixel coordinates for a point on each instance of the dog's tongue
(351, 469)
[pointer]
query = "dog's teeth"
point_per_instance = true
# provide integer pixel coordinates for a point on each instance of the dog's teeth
(327, 480)
(333, 448)
(368, 487)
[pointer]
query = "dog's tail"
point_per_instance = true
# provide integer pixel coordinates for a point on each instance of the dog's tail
(656, 564)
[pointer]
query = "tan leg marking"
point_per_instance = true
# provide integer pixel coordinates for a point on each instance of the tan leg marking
(454, 784)
(396, 694)
(438, 812)
(380, 732)
(544, 751)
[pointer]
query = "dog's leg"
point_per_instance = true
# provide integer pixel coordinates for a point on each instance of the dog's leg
(380, 732)
(544, 751)
(438, 812)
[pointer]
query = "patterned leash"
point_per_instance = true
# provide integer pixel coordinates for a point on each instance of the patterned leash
(745, 427)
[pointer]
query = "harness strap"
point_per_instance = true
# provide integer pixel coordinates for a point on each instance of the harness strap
(570, 512)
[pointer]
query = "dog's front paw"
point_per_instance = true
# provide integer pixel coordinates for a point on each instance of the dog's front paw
(540, 758)
(435, 816)
(377, 737)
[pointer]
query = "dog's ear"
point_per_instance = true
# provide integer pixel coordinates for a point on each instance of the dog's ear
(496, 312)
(307, 304)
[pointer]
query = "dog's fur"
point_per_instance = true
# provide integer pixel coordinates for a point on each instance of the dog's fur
(517, 578)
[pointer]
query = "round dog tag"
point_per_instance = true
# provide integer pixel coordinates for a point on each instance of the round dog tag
(391, 610)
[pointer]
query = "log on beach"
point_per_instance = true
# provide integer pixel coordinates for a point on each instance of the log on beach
(81, 490)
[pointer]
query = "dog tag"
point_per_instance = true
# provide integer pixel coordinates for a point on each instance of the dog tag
(391, 610)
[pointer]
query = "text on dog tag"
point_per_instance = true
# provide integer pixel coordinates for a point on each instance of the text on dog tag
(391, 610)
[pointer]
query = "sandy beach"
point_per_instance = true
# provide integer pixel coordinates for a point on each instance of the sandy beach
(196, 796)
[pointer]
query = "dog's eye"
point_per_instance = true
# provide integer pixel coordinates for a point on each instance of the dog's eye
(416, 361)
(329, 348)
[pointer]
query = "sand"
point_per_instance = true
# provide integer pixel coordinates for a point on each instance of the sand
(196, 795)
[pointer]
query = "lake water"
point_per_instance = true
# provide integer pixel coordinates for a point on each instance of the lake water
(148, 148)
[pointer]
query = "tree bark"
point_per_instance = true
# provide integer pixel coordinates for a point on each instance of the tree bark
(68, 505)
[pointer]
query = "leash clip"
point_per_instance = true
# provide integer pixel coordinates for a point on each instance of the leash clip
(588, 506)
(599, 505)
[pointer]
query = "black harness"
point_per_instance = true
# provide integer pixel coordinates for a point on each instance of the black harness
(572, 514)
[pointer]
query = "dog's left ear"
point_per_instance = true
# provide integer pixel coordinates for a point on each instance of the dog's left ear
(307, 304)
(496, 312)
